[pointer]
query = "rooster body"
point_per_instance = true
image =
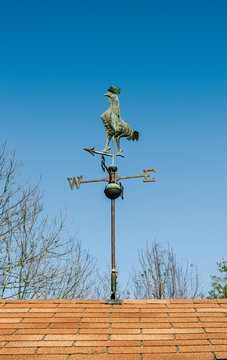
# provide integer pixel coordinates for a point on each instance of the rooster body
(113, 123)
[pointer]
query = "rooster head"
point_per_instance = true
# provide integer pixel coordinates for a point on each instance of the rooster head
(112, 93)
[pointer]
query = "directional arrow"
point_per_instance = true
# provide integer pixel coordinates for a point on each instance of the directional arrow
(92, 151)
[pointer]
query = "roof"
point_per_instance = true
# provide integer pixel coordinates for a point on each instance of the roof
(93, 330)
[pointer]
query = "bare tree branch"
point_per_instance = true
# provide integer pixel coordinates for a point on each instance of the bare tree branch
(37, 258)
(160, 275)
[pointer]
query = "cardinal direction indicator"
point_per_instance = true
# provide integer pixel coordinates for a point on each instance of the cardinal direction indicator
(77, 181)
(146, 176)
(74, 181)
(111, 178)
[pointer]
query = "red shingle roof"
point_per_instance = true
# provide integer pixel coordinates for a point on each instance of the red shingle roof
(93, 330)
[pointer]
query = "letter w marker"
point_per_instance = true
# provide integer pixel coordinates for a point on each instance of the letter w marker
(75, 181)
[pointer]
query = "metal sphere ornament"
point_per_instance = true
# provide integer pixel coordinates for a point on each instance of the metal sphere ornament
(112, 191)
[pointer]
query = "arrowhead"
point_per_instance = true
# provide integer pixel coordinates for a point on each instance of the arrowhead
(91, 151)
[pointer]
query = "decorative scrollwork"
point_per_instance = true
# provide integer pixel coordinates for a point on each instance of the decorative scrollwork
(103, 164)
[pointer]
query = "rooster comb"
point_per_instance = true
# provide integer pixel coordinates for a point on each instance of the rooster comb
(115, 90)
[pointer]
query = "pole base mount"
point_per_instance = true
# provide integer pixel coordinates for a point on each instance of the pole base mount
(113, 302)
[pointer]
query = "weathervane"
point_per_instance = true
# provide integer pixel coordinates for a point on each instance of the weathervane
(115, 128)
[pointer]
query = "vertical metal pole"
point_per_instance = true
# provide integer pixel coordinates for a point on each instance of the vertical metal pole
(113, 150)
(113, 233)
(113, 272)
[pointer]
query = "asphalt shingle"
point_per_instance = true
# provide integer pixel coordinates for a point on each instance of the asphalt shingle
(94, 330)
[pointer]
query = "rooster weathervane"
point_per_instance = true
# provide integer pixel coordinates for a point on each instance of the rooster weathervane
(114, 125)
(115, 128)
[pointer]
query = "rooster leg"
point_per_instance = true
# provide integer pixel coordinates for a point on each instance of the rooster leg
(119, 153)
(108, 138)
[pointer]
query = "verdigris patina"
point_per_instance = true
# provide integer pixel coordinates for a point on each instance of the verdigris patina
(114, 125)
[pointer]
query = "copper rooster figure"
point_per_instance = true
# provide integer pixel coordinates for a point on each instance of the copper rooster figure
(113, 123)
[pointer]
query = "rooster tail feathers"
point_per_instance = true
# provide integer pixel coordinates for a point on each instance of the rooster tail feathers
(135, 135)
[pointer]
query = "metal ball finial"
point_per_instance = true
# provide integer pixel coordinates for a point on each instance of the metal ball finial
(112, 191)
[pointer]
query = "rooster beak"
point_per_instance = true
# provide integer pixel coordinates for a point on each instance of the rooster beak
(106, 94)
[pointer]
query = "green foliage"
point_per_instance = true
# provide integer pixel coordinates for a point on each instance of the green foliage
(219, 283)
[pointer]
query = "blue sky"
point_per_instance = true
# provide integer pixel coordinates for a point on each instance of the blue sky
(169, 58)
